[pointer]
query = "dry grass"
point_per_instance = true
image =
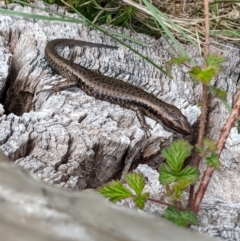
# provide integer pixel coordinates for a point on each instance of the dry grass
(189, 16)
(184, 18)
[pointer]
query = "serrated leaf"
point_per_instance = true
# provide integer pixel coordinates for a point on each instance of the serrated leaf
(203, 75)
(166, 175)
(194, 71)
(189, 173)
(115, 191)
(209, 144)
(213, 161)
(136, 182)
(176, 153)
(140, 200)
(178, 188)
(190, 217)
(179, 60)
(214, 60)
(218, 93)
(181, 218)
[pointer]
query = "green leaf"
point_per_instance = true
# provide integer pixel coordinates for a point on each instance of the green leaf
(109, 18)
(213, 161)
(216, 92)
(140, 200)
(166, 175)
(175, 156)
(190, 217)
(189, 173)
(213, 67)
(115, 191)
(178, 188)
(202, 75)
(194, 71)
(209, 144)
(177, 61)
(136, 182)
(176, 153)
(214, 60)
(220, 94)
(181, 218)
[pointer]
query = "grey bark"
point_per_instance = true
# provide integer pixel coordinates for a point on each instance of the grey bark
(31, 210)
(71, 139)
(74, 141)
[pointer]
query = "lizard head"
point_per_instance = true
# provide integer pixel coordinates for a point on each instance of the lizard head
(174, 119)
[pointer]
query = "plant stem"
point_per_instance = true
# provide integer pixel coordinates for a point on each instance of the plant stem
(203, 117)
(166, 204)
(235, 114)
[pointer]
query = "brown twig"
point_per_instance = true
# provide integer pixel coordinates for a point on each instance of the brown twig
(203, 117)
(220, 145)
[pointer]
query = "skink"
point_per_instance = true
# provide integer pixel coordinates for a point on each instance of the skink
(115, 91)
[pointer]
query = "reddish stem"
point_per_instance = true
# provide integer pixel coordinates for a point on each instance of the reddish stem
(220, 145)
(203, 117)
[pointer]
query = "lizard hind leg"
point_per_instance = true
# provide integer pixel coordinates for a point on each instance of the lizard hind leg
(64, 85)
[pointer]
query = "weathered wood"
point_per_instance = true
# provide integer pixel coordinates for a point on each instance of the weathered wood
(31, 210)
(73, 140)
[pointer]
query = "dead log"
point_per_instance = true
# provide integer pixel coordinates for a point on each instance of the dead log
(73, 140)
